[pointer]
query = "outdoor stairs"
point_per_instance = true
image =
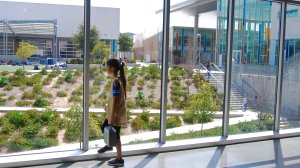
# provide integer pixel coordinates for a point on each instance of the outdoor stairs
(236, 96)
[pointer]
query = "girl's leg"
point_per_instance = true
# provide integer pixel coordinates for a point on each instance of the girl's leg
(119, 150)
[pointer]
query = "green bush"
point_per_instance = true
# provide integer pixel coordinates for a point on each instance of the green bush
(154, 123)
(190, 117)
(144, 116)
(35, 79)
(133, 73)
(4, 73)
(94, 90)
(15, 118)
(23, 103)
(95, 132)
(44, 71)
(78, 92)
(103, 95)
(140, 95)
(28, 95)
(17, 142)
(78, 72)
(76, 61)
(41, 142)
(8, 88)
(173, 121)
(94, 71)
(130, 104)
(137, 124)
(2, 101)
(61, 94)
(12, 97)
(31, 130)
(143, 103)
(74, 123)
(41, 102)
(37, 88)
(60, 81)
(69, 77)
(7, 127)
(52, 131)
(75, 99)
(153, 72)
(32, 117)
(3, 81)
(155, 105)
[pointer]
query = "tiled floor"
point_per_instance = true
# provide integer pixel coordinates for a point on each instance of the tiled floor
(277, 153)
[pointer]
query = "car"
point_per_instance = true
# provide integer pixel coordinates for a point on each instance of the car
(9, 63)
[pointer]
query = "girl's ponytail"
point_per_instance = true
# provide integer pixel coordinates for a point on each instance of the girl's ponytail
(123, 77)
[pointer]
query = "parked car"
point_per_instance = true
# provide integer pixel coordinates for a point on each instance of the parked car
(9, 63)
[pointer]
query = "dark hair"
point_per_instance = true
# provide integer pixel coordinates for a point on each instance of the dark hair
(118, 66)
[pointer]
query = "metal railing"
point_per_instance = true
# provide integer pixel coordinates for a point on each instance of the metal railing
(218, 82)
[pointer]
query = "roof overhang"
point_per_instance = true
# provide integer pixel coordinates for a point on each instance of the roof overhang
(193, 7)
(28, 27)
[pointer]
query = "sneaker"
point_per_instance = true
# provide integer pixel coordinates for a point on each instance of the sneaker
(116, 162)
(104, 149)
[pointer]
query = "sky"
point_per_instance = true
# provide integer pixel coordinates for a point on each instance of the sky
(138, 16)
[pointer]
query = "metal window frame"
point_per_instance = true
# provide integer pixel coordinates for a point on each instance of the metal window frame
(86, 76)
(164, 73)
(279, 78)
(228, 68)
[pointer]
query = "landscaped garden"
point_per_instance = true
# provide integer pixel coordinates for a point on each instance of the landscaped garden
(34, 129)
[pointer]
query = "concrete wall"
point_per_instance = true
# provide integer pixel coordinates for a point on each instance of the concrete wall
(107, 20)
(264, 87)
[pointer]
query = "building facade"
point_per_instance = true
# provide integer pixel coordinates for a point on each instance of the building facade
(51, 26)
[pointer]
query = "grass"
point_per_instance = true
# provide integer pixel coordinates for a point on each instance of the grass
(240, 128)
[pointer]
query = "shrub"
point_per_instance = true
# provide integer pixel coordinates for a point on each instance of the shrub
(12, 97)
(32, 117)
(3, 81)
(103, 95)
(23, 103)
(28, 95)
(94, 90)
(69, 77)
(41, 102)
(41, 142)
(2, 101)
(94, 71)
(30, 131)
(74, 123)
(143, 103)
(141, 82)
(15, 118)
(138, 124)
(76, 61)
(130, 104)
(144, 116)
(151, 86)
(154, 123)
(156, 105)
(95, 132)
(189, 117)
(75, 99)
(173, 121)
(7, 127)
(133, 73)
(140, 95)
(61, 94)
(153, 72)
(35, 79)
(52, 131)
(44, 71)
(78, 92)
(60, 80)
(78, 72)
(17, 142)
(37, 88)
(4, 73)
(8, 88)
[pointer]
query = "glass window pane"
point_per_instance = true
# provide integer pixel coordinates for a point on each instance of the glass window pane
(290, 106)
(124, 34)
(254, 69)
(40, 92)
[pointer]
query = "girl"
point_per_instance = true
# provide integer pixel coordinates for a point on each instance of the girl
(116, 114)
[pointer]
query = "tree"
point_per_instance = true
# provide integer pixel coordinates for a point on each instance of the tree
(78, 37)
(101, 49)
(125, 43)
(26, 50)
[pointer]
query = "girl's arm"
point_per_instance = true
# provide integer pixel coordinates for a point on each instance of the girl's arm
(116, 95)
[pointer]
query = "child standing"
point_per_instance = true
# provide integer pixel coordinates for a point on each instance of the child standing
(116, 114)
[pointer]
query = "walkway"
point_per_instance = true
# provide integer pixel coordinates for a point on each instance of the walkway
(265, 154)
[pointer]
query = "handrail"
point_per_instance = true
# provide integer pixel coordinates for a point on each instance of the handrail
(212, 75)
(217, 67)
